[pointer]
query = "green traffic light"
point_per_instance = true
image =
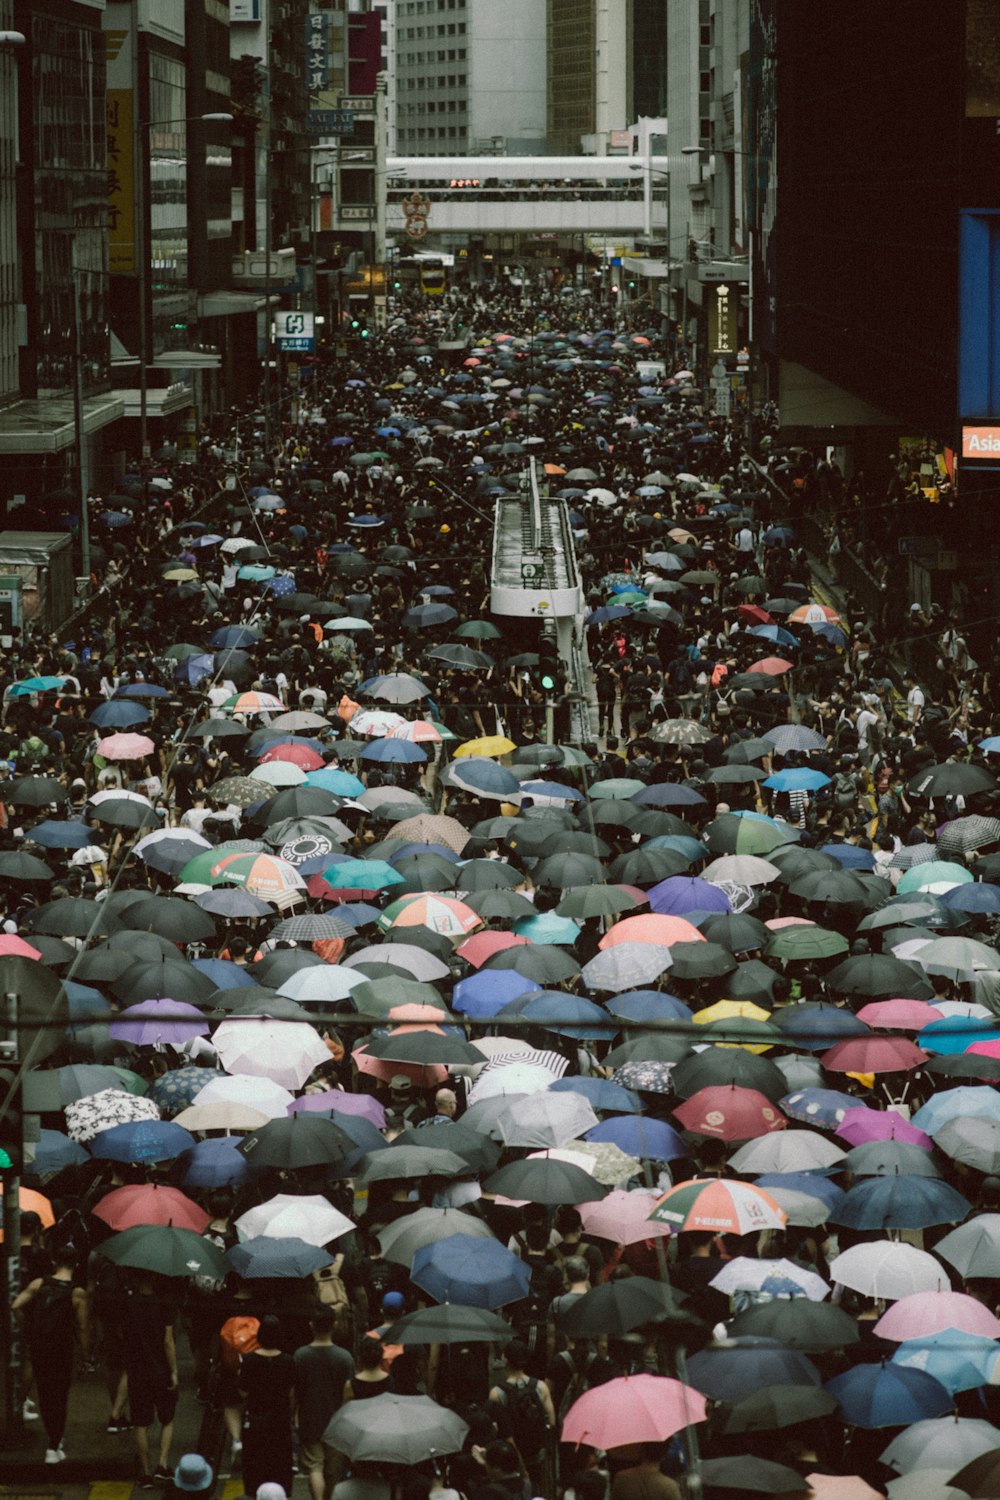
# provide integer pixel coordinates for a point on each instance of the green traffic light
(548, 683)
(5, 1160)
(365, 332)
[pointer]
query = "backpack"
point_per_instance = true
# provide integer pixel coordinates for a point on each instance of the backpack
(524, 1416)
(330, 1289)
(845, 789)
(52, 1319)
(238, 1337)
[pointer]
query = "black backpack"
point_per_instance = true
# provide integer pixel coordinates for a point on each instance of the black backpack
(845, 790)
(524, 1419)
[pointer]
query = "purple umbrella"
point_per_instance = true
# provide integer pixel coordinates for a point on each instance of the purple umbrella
(861, 1125)
(679, 894)
(153, 1021)
(362, 1105)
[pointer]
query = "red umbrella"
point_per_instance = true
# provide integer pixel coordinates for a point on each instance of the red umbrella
(633, 1409)
(730, 1113)
(322, 890)
(476, 950)
(873, 1054)
(149, 1203)
(770, 666)
(752, 614)
(297, 755)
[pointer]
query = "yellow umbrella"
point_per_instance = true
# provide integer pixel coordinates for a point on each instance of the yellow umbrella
(490, 745)
(726, 1010)
(179, 575)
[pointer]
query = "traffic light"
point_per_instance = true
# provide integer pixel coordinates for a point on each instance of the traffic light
(11, 1132)
(548, 664)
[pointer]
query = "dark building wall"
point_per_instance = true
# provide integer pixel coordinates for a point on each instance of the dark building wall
(870, 140)
(571, 66)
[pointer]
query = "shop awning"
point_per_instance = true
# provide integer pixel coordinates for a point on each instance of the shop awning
(47, 426)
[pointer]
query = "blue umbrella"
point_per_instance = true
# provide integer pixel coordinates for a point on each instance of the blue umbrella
(606, 612)
(486, 993)
(547, 927)
(568, 1015)
(648, 1005)
(175, 1090)
(600, 1092)
(470, 1272)
(953, 1103)
(830, 633)
(397, 752)
(960, 1361)
(142, 1141)
(52, 833)
(783, 535)
(991, 744)
(240, 636)
(953, 1034)
(282, 583)
(194, 668)
(54, 1152)
(888, 1395)
(118, 714)
(903, 1202)
(692, 849)
(551, 789)
(481, 777)
(776, 633)
(341, 783)
(816, 1025)
(850, 856)
(141, 690)
(116, 519)
(812, 1183)
(85, 1002)
(652, 1140)
(216, 1163)
(823, 1107)
(407, 851)
(797, 779)
(680, 894)
(289, 1258)
(978, 896)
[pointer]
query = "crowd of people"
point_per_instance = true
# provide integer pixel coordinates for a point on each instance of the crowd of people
(613, 1100)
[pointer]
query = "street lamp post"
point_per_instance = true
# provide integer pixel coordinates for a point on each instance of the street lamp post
(144, 248)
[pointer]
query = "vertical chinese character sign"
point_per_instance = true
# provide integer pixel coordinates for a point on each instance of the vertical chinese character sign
(317, 52)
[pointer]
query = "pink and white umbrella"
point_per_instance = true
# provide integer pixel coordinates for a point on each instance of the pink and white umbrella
(125, 747)
(286, 1052)
(623, 1217)
(925, 1313)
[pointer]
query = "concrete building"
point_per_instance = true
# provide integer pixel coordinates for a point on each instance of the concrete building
(470, 77)
(10, 42)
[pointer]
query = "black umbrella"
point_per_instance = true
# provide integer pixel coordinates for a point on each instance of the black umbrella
(781, 1405)
(170, 917)
(726, 1371)
(297, 802)
(15, 865)
(450, 1323)
(876, 974)
(126, 812)
(544, 963)
(813, 1327)
(619, 1306)
(73, 916)
(481, 1153)
(648, 1046)
(162, 978)
(954, 778)
(758, 1476)
(703, 960)
(302, 1140)
(424, 1047)
(546, 1180)
(728, 1065)
(35, 791)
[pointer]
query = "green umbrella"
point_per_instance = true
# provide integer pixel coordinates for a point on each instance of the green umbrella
(402, 1163)
(377, 997)
(478, 630)
(167, 1251)
(806, 942)
(182, 650)
(585, 901)
(450, 1324)
(617, 788)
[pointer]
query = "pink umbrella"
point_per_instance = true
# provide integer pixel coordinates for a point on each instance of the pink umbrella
(873, 1054)
(861, 1124)
(476, 950)
(363, 1105)
(923, 1314)
(652, 927)
(633, 1409)
(840, 1487)
(13, 946)
(422, 1075)
(125, 747)
(776, 924)
(899, 1015)
(623, 1217)
(985, 1049)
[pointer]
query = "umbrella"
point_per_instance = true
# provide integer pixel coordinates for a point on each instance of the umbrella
(788, 1151)
(286, 1052)
(542, 1120)
(217, 1162)
(633, 1409)
(395, 1430)
(747, 1274)
(623, 1217)
(888, 1270)
(471, 1272)
(973, 1248)
(166, 1250)
(758, 1476)
(923, 1313)
(617, 1307)
(449, 1325)
(813, 1327)
(730, 1113)
(724, 1206)
(269, 1257)
(142, 1141)
(154, 1022)
(310, 1218)
(960, 1361)
(900, 1203)
(94, 1113)
(401, 1240)
(301, 1140)
(944, 1443)
(647, 1139)
(545, 1180)
(726, 1371)
(150, 1203)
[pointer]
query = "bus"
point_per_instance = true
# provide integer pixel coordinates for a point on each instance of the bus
(427, 272)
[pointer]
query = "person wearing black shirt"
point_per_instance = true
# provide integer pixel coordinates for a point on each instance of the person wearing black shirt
(267, 1382)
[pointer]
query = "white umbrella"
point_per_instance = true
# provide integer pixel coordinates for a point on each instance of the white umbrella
(224, 1114)
(256, 1093)
(797, 1151)
(746, 1274)
(88, 1116)
(286, 1052)
(626, 966)
(519, 1078)
(888, 1270)
(544, 1119)
(311, 1218)
(940, 1443)
(323, 984)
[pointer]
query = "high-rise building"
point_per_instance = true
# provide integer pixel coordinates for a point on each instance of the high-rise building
(590, 90)
(470, 77)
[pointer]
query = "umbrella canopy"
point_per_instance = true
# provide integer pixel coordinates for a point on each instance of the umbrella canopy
(471, 1272)
(634, 1409)
(395, 1429)
(720, 1204)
